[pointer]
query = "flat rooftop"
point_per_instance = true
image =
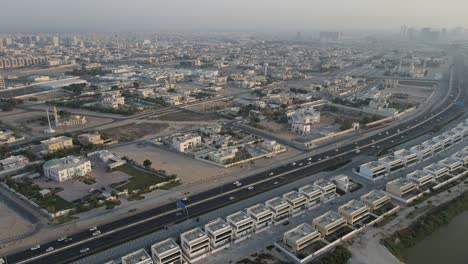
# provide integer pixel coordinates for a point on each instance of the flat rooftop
(293, 195)
(352, 206)
(420, 148)
(373, 164)
(449, 161)
(323, 183)
(373, 195)
(277, 201)
(401, 182)
(238, 217)
(430, 142)
(299, 232)
(328, 218)
(389, 159)
(309, 189)
(419, 174)
(435, 167)
(216, 225)
(258, 209)
(193, 234)
(403, 152)
(165, 246)
(136, 256)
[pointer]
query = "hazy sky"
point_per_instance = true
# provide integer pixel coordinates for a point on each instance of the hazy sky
(257, 15)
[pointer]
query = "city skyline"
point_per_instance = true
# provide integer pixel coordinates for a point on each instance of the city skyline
(206, 15)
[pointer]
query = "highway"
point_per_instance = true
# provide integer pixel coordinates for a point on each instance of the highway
(142, 223)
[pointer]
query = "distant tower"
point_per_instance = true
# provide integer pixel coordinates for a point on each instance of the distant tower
(400, 65)
(265, 68)
(56, 118)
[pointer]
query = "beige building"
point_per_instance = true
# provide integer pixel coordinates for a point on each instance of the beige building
(195, 245)
(182, 143)
(452, 164)
(66, 168)
(166, 252)
(437, 170)
(137, 257)
(328, 189)
(400, 187)
(57, 143)
(329, 222)
(220, 234)
(375, 199)
(297, 200)
(408, 157)
(262, 216)
(300, 237)
(242, 225)
(90, 139)
(423, 152)
(353, 211)
(313, 194)
(280, 208)
(421, 178)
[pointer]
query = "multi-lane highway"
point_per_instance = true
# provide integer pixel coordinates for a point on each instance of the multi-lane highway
(158, 218)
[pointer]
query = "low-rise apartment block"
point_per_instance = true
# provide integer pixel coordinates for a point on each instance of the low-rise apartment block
(400, 187)
(280, 208)
(242, 225)
(437, 170)
(90, 139)
(454, 136)
(301, 237)
(186, 142)
(313, 194)
(375, 199)
(445, 140)
(421, 178)
(137, 257)
(166, 252)
(373, 170)
(436, 146)
(220, 234)
(423, 151)
(329, 222)
(195, 245)
(462, 156)
(13, 162)
(66, 168)
(262, 216)
(452, 164)
(297, 201)
(57, 143)
(353, 211)
(392, 163)
(409, 158)
(328, 189)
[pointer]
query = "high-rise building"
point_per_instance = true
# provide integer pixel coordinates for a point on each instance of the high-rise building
(1, 43)
(55, 41)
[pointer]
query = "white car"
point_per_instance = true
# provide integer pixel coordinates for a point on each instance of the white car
(294, 164)
(310, 162)
(2, 261)
(236, 183)
(36, 247)
(275, 183)
(300, 164)
(49, 249)
(97, 233)
(62, 239)
(250, 188)
(232, 198)
(309, 159)
(92, 229)
(271, 173)
(84, 250)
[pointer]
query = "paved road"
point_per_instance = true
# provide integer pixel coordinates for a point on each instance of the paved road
(143, 223)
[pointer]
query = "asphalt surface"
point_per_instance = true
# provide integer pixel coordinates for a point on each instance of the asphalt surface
(162, 217)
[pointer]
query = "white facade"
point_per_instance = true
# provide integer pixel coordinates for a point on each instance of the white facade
(280, 208)
(392, 163)
(220, 234)
(297, 200)
(437, 170)
(137, 257)
(303, 119)
(242, 225)
(313, 194)
(166, 252)
(421, 178)
(409, 158)
(13, 162)
(195, 245)
(423, 152)
(328, 189)
(262, 216)
(373, 170)
(66, 168)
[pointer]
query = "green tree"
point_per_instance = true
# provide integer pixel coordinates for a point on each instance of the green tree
(147, 163)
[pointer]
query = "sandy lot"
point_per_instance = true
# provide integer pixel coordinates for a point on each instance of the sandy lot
(11, 224)
(134, 131)
(192, 170)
